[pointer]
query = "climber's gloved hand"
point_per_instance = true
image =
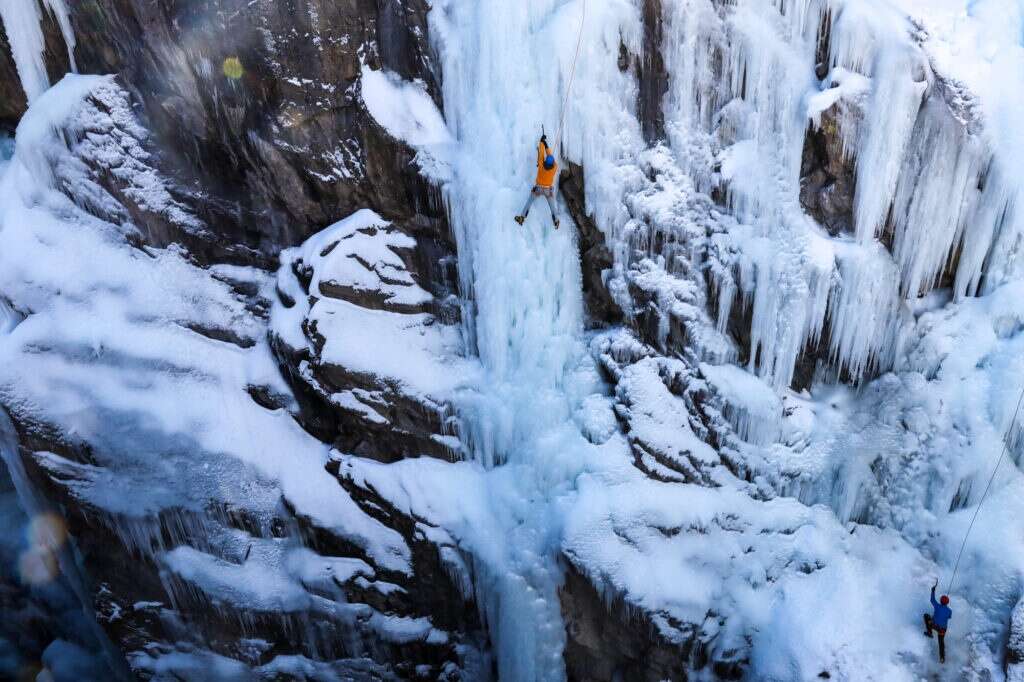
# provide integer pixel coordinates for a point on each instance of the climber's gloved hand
(544, 139)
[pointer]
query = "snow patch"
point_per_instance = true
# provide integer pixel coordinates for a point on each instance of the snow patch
(403, 108)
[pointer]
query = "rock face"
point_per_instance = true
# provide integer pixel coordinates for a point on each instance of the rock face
(1015, 646)
(259, 106)
(828, 178)
(652, 76)
(191, 574)
(607, 643)
(12, 97)
(595, 257)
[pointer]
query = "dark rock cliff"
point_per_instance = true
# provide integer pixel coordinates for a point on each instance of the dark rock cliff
(255, 107)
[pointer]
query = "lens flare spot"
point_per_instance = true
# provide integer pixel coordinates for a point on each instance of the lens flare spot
(47, 531)
(233, 68)
(37, 566)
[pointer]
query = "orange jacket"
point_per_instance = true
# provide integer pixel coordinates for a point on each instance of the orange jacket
(545, 177)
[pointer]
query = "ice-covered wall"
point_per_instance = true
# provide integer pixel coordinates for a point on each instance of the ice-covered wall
(714, 254)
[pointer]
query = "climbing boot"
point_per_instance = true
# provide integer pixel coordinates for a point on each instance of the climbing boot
(520, 219)
(557, 223)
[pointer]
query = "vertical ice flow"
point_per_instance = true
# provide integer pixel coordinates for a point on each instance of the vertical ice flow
(506, 67)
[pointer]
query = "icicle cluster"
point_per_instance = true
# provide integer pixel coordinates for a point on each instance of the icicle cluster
(22, 20)
(931, 200)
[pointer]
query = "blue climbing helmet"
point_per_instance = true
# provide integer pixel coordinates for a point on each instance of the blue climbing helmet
(549, 162)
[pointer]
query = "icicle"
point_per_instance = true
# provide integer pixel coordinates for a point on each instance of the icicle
(695, 43)
(943, 163)
(790, 299)
(59, 9)
(894, 107)
(22, 21)
(725, 291)
(742, 85)
(864, 309)
(992, 240)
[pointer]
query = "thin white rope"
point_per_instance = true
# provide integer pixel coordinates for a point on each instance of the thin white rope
(977, 510)
(572, 79)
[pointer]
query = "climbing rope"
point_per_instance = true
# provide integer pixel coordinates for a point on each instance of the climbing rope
(977, 510)
(572, 78)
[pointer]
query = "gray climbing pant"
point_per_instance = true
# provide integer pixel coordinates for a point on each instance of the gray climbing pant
(929, 626)
(538, 191)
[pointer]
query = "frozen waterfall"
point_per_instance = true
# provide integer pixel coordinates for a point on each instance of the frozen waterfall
(506, 67)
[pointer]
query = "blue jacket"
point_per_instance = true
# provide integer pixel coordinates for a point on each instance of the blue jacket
(942, 613)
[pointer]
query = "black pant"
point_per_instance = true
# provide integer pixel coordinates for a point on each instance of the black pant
(941, 632)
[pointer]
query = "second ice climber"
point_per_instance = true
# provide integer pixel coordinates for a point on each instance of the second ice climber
(547, 170)
(938, 621)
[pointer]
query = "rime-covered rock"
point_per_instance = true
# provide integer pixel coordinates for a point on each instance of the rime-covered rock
(375, 353)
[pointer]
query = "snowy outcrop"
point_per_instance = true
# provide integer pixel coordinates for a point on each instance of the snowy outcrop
(376, 352)
(120, 380)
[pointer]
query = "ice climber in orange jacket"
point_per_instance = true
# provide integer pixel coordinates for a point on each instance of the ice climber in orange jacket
(547, 170)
